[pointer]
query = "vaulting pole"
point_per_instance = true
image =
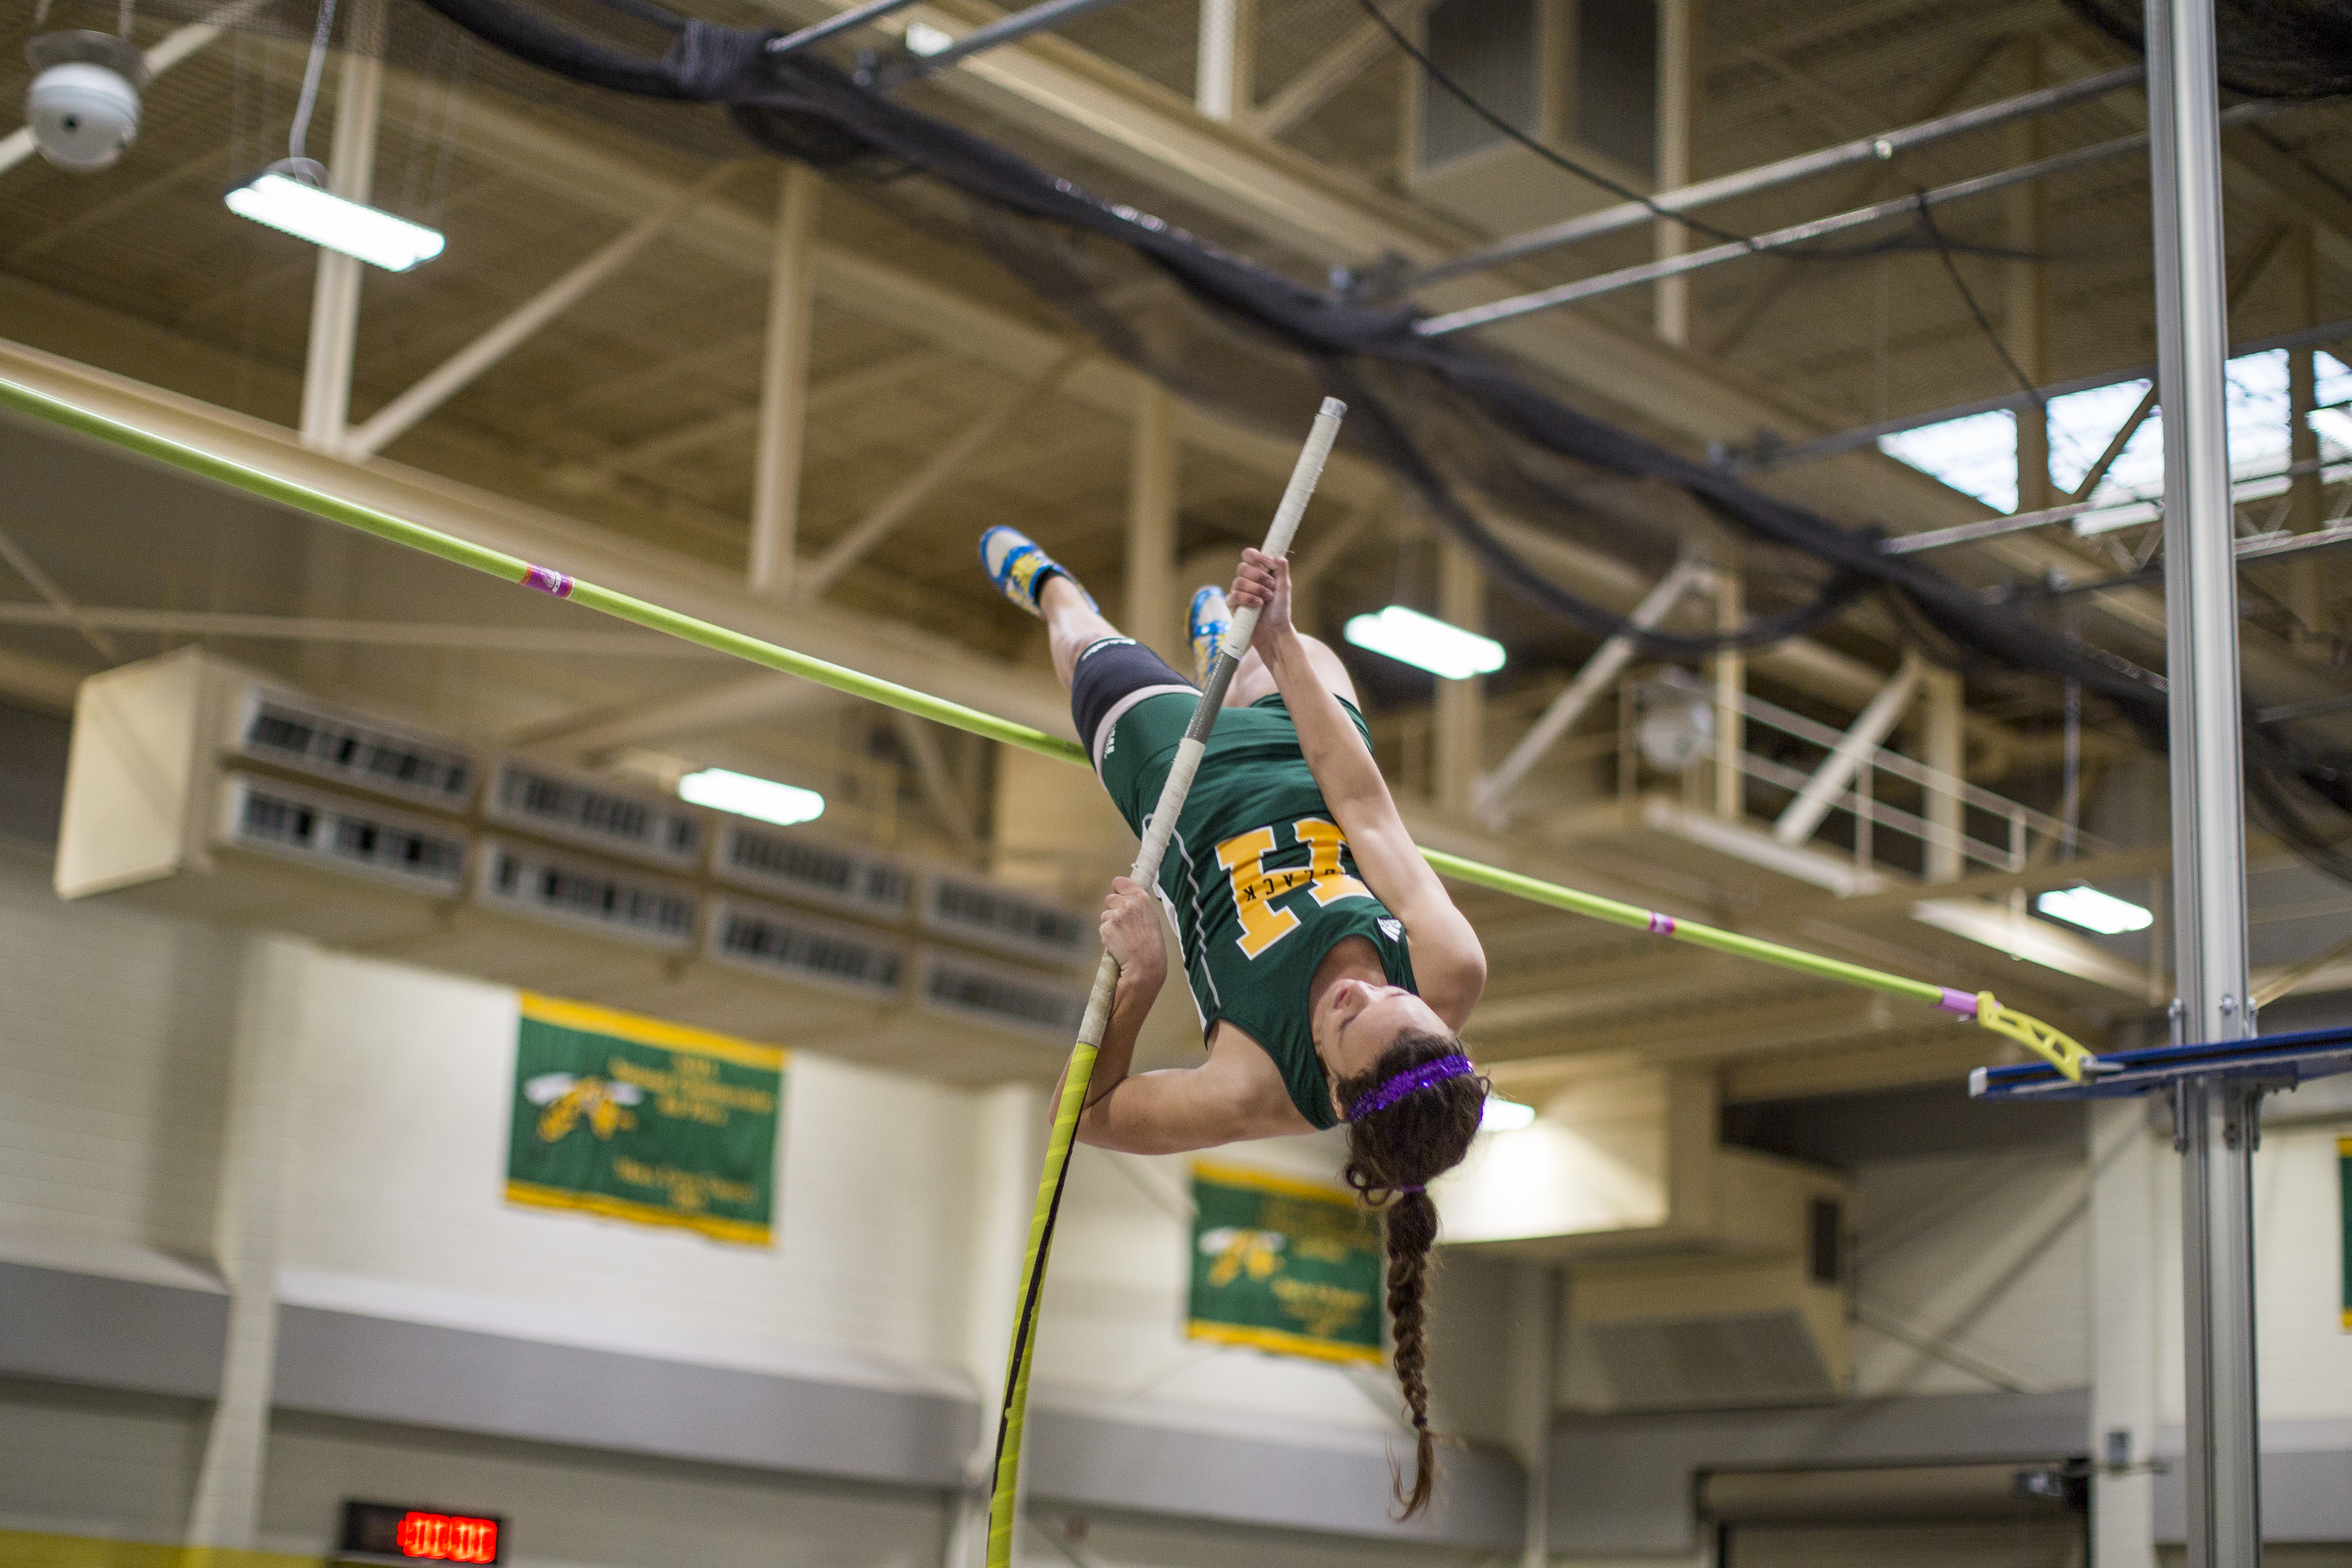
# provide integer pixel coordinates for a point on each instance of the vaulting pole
(1157, 827)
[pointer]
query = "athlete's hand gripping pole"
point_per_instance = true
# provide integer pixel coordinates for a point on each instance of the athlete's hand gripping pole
(1157, 830)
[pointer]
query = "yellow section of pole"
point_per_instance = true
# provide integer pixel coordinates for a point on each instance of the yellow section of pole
(1013, 1417)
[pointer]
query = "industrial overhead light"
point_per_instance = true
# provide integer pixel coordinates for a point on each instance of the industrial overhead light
(746, 796)
(292, 194)
(2094, 911)
(1426, 642)
(925, 40)
(284, 199)
(1503, 1115)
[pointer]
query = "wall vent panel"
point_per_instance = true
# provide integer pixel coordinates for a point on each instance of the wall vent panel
(596, 816)
(802, 868)
(1009, 998)
(316, 738)
(605, 899)
(989, 915)
(341, 835)
(780, 942)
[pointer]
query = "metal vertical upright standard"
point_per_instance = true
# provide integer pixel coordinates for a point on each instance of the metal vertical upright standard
(2216, 1119)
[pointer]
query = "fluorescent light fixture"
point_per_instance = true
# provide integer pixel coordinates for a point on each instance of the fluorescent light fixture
(2094, 911)
(783, 804)
(926, 40)
(1425, 642)
(1503, 1115)
(306, 212)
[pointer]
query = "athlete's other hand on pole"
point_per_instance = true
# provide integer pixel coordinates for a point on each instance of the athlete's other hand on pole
(1131, 934)
(1262, 581)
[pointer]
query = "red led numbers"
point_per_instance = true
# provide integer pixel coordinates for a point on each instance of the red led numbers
(448, 1538)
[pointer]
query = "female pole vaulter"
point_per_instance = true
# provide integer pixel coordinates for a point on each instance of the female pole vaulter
(1332, 971)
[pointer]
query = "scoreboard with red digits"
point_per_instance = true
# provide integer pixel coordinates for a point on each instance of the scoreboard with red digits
(397, 1532)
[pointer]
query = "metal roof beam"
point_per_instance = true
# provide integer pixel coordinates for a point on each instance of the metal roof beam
(1787, 171)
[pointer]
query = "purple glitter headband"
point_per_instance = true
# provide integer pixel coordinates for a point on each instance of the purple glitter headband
(1413, 1078)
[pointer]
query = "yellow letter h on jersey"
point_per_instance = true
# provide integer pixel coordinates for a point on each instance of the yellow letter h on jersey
(1255, 888)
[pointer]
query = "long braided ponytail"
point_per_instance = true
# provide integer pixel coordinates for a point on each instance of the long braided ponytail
(1392, 1154)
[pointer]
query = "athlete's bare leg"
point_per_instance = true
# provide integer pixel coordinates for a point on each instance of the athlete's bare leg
(1253, 680)
(1073, 624)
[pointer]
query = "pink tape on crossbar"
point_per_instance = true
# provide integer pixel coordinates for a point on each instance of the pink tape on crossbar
(1661, 925)
(547, 581)
(1960, 1002)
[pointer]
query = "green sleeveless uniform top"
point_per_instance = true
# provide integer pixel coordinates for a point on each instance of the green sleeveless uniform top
(1258, 880)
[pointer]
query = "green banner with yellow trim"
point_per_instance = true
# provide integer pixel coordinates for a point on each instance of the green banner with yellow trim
(1284, 1265)
(636, 1119)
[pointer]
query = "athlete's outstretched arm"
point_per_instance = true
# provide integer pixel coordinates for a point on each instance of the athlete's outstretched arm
(1229, 1097)
(1447, 961)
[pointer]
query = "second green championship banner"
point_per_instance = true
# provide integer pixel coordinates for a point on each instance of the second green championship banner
(1283, 1265)
(636, 1119)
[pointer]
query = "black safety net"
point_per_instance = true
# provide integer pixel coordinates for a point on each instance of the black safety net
(2267, 48)
(1472, 435)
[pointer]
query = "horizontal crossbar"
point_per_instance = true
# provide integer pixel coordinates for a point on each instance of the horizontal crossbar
(906, 699)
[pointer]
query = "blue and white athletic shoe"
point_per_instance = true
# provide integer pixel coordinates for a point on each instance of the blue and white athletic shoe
(1020, 569)
(1205, 626)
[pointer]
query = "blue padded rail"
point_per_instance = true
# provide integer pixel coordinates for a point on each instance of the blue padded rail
(2286, 1059)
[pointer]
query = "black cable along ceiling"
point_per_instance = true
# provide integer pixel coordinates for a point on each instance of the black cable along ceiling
(1442, 417)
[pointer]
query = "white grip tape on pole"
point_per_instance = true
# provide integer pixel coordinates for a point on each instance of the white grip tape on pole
(1304, 477)
(1097, 1023)
(1145, 871)
(1162, 826)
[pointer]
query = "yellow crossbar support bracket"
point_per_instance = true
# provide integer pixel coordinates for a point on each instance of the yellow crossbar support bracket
(2059, 1050)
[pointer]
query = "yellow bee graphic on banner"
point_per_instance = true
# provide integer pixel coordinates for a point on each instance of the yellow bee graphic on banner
(1257, 1253)
(567, 1100)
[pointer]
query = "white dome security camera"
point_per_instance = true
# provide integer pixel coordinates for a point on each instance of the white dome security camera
(1676, 727)
(83, 106)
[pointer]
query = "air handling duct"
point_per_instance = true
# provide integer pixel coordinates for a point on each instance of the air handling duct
(198, 787)
(1700, 1277)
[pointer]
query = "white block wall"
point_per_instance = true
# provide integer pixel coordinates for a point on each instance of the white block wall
(1987, 1255)
(114, 1035)
(115, 1044)
(2305, 1352)
(89, 1461)
(398, 1165)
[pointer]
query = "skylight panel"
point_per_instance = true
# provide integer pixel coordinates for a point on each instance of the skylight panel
(1976, 455)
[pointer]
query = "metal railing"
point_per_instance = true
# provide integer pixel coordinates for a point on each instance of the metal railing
(2026, 835)
(1881, 836)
